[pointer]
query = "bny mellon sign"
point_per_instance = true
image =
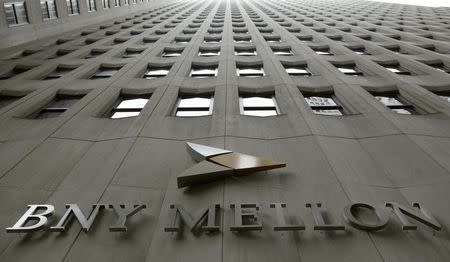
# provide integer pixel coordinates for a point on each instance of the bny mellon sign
(215, 164)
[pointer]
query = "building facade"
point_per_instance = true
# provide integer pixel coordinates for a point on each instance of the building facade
(97, 107)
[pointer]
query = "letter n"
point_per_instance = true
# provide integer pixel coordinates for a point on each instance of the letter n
(74, 210)
(421, 215)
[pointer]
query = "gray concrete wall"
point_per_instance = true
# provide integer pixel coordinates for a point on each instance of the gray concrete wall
(371, 154)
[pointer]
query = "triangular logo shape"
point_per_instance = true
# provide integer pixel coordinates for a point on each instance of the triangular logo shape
(216, 163)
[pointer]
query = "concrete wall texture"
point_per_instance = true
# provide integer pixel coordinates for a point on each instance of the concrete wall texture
(369, 154)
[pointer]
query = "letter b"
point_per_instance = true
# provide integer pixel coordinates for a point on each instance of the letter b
(30, 215)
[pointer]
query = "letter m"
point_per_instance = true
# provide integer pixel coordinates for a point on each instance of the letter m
(205, 221)
(420, 215)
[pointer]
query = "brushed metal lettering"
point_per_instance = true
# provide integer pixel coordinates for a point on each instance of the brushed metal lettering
(42, 219)
(74, 210)
(123, 212)
(351, 209)
(281, 221)
(420, 215)
(244, 213)
(319, 220)
(178, 215)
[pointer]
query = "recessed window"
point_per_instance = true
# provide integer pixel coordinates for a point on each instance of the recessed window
(6, 100)
(397, 104)
(203, 71)
(56, 107)
(397, 69)
(282, 51)
(360, 51)
(305, 38)
(240, 39)
(245, 51)
(48, 9)
(147, 40)
(60, 53)
(297, 70)
(325, 52)
(156, 72)
(441, 67)
(171, 52)
(16, 13)
(212, 40)
(324, 105)
(188, 106)
(250, 71)
(105, 4)
(116, 3)
(209, 52)
(105, 72)
(351, 70)
(397, 50)
(130, 53)
(94, 53)
(58, 73)
(117, 41)
(72, 7)
(91, 5)
(14, 72)
(128, 106)
(272, 39)
(258, 106)
(445, 96)
(182, 41)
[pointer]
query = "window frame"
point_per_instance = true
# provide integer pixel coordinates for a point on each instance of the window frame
(47, 108)
(193, 74)
(148, 76)
(169, 53)
(243, 109)
(95, 75)
(316, 108)
(356, 70)
(405, 104)
(47, 8)
(191, 109)
(252, 67)
(54, 74)
(15, 71)
(106, 4)
(131, 53)
(121, 98)
(71, 9)
(203, 52)
(282, 51)
(13, 7)
(305, 68)
(324, 52)
(401, 70)
(91, 5)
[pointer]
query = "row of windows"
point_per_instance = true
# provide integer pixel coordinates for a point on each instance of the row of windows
(16, 12)
(363, 11)
(321, 29)
(246, 39)
(91, 40)
(239, 51)
(198, 71)
(202, 105)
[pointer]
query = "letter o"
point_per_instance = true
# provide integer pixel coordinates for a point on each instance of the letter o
(356, 223)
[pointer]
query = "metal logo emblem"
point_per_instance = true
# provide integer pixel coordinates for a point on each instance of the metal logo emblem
(216, 163)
